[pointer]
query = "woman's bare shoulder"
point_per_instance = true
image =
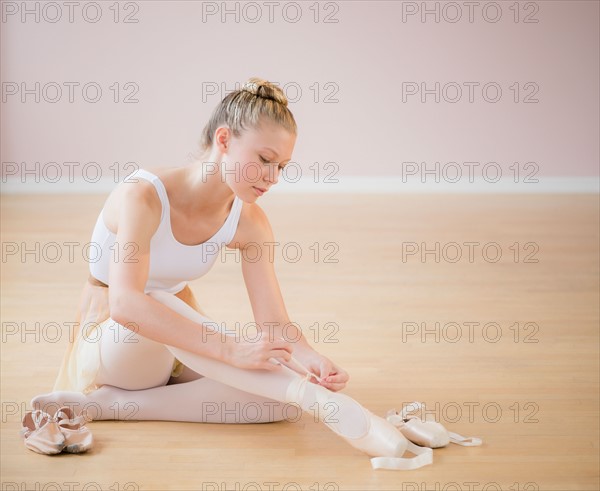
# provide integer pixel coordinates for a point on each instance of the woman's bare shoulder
(139, 190)
(253, 227)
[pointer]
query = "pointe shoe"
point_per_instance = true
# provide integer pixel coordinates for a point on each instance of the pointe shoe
(78, 437)
(382, 440)
(41, 433)
(428, 433)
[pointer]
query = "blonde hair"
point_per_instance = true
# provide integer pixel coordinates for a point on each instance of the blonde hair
(246, 107)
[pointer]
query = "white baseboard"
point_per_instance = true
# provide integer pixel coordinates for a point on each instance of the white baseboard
(348, 184)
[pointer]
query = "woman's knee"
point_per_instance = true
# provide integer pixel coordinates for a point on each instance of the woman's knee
(131, 361)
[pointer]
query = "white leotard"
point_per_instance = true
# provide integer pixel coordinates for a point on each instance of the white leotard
(172, 264)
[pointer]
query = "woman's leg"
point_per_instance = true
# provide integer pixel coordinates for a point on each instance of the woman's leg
(203, 400)
(348, 417)
(133, 374)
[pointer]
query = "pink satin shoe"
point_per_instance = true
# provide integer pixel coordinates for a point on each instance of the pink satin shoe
(428, 433)
(51, 435)
(382, 440)
(78, 438)
(41, 433)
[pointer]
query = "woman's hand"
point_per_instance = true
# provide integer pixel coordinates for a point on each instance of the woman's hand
(255, 354)
(333, 377)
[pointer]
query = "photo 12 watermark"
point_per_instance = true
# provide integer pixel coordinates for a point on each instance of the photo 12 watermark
(70, 12)
(469, 172)
(469, 252)
(53, 92)
(468, 12)
(270, 12)
(470, 92)
(315, 92)
(69, 486)
(472, 332)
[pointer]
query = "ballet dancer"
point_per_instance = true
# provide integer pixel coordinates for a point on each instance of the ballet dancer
(145, 350)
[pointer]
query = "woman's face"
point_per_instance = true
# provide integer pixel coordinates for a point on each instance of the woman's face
(256, 158)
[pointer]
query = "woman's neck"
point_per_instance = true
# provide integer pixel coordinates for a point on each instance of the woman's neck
(201, 189)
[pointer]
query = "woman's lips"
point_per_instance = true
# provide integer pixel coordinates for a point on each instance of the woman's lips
(259, 191)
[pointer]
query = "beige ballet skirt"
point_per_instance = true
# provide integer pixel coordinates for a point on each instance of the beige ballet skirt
(81, 360)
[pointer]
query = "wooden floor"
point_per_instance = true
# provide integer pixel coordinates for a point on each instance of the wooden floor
(527, 368)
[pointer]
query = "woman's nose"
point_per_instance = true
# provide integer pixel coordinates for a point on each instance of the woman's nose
(271, 175)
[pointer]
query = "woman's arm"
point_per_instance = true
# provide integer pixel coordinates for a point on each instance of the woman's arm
(268, 306)
(138, 218)
(262, 285)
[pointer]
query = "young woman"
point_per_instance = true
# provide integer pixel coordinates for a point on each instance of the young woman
(146, 351)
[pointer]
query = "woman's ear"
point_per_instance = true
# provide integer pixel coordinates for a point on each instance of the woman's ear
(222, 139)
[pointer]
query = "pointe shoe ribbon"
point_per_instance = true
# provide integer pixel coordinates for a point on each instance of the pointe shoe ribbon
(295, 365)
(382, 440)
(428, 433)
(424, 456)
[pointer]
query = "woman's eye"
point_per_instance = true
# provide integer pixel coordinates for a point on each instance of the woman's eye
(266, 161)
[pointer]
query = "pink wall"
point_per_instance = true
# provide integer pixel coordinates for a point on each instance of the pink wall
(359, 62)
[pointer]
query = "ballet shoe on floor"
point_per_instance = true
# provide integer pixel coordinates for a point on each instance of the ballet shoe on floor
(424, 433)
(50, 435)
(78, 437)
(428, 433)
(41, 433)
(382, 440)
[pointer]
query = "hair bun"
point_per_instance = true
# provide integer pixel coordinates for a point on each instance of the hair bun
(265, 89)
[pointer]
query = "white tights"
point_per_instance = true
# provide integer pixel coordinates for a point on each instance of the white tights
(134, 371)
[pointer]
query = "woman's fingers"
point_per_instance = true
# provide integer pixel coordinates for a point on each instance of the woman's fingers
(336, 380)
(275, 353)
(281, 348)
(282, 344)
(284, 355)
(339, 377)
